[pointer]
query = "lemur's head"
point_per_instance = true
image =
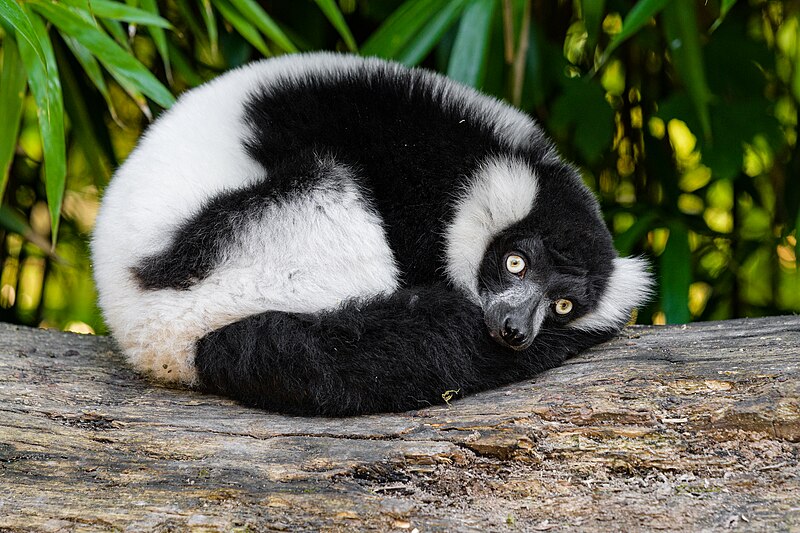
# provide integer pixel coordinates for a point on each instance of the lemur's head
(531, 245)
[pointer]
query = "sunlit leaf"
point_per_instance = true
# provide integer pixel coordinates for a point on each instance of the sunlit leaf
(14, 15)
(637, 17)
(431, 33)
(119, 62)
(45, 84)
(119, 11)
(241, 24)
(470, 49)
(334, 14)
(680, 25)
(676, 275)
(261, 20)
(12, 96)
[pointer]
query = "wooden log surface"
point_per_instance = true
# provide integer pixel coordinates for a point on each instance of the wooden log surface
(678, 428)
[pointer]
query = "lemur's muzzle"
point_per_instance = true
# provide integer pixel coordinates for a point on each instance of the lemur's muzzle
(514, 318)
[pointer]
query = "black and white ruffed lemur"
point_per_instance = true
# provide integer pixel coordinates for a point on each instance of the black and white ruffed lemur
(328, 234)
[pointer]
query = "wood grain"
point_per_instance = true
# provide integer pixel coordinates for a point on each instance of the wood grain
(677, 428)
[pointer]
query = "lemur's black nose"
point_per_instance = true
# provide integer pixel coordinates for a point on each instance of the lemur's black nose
(511, 334)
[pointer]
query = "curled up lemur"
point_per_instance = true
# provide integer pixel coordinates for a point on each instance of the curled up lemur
(327, 234)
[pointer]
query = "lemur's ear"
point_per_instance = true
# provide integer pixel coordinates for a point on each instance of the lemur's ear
(630, 285)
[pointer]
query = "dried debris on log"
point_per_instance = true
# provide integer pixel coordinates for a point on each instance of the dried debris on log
(678, 428)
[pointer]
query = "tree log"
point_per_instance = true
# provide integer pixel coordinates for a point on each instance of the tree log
(681, 428)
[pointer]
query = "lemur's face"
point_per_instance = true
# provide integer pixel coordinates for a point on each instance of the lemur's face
(524, 287)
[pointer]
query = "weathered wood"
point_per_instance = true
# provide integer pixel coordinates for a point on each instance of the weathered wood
(679, 428)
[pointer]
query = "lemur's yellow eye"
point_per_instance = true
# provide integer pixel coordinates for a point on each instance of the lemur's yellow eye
(515, 264)
(563, 306)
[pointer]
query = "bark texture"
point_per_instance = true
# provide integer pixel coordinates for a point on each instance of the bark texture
(678, 428)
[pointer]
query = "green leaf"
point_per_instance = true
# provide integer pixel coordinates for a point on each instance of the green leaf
(256, 14)
(680, 26)
(400, 28)
(593, 11)
(334, 14)
(12, 13)
(13, 80)
(724, 7)
(637, 17)
(211, 26)
(122, 65)
(119, 11)
(92, 69)
(159, 37)
(241, 24)
(676, 275)
(431, 33)
(45, 84)
(80, 121)
(114, 27)
(470, 49)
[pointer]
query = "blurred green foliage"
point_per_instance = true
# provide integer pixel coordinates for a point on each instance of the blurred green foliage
(681, 114)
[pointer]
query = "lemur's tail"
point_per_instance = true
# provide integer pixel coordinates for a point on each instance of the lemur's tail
(394, 353)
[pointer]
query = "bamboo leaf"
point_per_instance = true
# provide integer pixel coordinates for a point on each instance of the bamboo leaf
(119, 11)
(241, 24)
(18, 19)
(92, 69)
(45, 84)
(114, 28)
(121, 64)
(334, 14)
(80, 121)
(470, 49)
(399, 29)
(431, 33)
(676, 275)
(13, 80)
(637, 17)
(159, 37)
(680, 25)
(211, 26)
(256, 14)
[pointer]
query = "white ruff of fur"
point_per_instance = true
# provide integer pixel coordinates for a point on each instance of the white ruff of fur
(502, 194)
(629, 286)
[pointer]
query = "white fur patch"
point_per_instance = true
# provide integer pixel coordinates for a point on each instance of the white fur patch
(501, 194)
(629, 286)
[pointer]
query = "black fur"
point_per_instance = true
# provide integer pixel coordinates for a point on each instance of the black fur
(396, 353)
